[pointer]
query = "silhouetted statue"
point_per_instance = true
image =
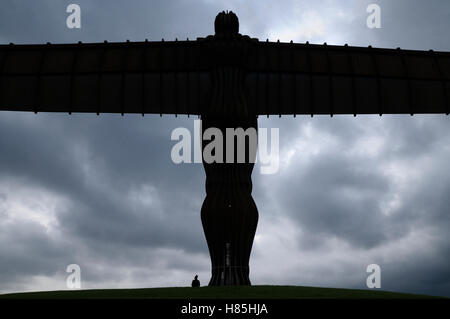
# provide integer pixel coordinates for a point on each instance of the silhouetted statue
(196, 282)
(228, 79)
(229, 214)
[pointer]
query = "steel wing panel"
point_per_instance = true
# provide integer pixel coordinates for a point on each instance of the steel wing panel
(132, 77)
(288, 78)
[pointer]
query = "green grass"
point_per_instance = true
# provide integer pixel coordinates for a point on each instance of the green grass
(241, 292)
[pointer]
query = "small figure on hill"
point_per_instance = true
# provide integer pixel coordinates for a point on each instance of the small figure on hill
(196, 282)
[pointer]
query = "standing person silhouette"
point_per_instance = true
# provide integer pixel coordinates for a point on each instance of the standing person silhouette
(195, 282)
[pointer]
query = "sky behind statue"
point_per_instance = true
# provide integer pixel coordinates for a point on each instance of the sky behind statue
(349, 191)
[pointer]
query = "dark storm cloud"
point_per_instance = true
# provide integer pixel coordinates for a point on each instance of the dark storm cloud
(125, 201)
(18, 251)
(131, 217)
(415, 24)
(45, 20)
(123, 155)
(408, 24)
(339, 194)
(101, 163)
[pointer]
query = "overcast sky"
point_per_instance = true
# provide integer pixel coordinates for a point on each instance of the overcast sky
(99, 191)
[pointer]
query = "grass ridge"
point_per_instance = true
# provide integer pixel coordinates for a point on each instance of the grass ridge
(225, 292)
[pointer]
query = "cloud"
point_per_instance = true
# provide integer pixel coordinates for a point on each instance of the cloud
(345, 205)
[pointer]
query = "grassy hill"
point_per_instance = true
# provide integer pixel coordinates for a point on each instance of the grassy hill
(241, 292)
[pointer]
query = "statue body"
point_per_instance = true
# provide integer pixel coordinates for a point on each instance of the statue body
(229, 214)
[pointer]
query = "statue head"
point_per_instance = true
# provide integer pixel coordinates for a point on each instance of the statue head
(226, 23)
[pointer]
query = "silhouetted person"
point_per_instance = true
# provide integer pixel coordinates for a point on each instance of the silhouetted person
(196, 282)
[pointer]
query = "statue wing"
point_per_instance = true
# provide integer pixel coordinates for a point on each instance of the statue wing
(172, 78)
(289, 78)
(133, 77)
